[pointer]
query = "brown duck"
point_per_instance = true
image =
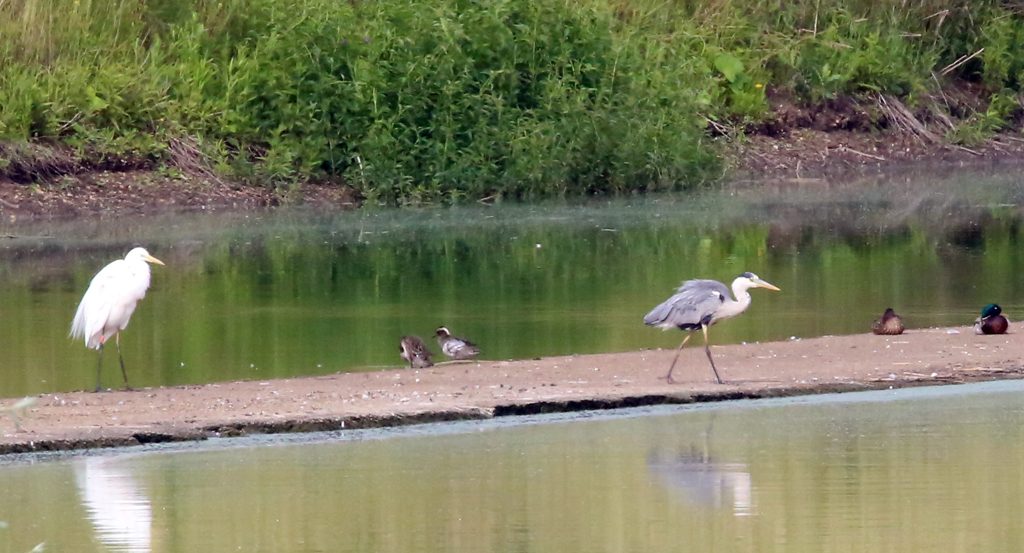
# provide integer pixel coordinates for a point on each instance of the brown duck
(890, 323)
(415, 352)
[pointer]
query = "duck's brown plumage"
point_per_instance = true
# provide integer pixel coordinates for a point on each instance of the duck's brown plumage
(415, 352)
(889, 324)
(991, 321)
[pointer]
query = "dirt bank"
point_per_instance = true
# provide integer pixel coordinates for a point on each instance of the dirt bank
(837, 138)
(115, 193)
(490, 389)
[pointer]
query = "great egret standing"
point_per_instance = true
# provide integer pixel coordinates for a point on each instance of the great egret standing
(109, 302)
(455, 347)
(698, 304)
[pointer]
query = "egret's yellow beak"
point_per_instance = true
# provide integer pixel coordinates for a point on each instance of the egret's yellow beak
(768, 285)
(152, 259)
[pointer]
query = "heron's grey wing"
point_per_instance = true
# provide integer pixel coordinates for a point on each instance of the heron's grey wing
(692, 304)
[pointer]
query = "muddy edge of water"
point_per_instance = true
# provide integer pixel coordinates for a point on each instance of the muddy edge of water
(487, 389)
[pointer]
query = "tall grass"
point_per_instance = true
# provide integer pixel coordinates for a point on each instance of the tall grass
(452, 99)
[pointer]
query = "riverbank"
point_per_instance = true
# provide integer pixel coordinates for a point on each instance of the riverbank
(798, 153)
(480, 390)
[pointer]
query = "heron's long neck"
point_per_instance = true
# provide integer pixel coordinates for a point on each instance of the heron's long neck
(731, 308)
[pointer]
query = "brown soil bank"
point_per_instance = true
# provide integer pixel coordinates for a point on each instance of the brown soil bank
(838, 138)
(497, 388)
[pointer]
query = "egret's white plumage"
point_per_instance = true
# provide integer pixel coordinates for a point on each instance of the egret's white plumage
(698, 304)
(108, 304)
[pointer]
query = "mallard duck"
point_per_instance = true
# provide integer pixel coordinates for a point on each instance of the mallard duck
(455, 347)
(890, 323)
(415, 352)
(991, 321)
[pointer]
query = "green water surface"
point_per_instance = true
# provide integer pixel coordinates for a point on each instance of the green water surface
(300, 292)
(914, 471)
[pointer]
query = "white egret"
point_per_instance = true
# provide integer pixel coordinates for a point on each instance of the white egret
(109, 302)
(698, 304)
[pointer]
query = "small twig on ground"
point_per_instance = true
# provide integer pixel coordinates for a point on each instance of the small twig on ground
(942, 93)
(940, 13)
(67, 124)
(966, 149)
(187, 156)
(872, 156)
(718, 127)
(903, 119)
(959, 61)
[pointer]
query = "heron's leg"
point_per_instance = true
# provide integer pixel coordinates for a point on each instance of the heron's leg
(668, 376)
(99, 366)
(117, 340)
(707, 349)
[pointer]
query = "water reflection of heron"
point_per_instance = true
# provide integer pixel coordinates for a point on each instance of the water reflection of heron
(704, 482)
(701, 480)
(117, 507)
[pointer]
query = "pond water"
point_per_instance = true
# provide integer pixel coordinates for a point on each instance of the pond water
(915, 470)
(295, 292)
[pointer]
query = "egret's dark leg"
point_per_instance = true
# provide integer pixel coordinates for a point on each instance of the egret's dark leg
(668, 376)
(99, 367)
(117, 340)
(707, 349)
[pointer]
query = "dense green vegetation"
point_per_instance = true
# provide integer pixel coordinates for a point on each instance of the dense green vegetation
(450, 99)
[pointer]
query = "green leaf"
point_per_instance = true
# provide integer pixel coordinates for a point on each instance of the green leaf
(730, 66)
(95, 102)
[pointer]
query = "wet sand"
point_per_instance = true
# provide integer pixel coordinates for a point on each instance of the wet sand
(479, 390)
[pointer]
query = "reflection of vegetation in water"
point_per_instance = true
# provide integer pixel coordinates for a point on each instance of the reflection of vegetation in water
(299, 293)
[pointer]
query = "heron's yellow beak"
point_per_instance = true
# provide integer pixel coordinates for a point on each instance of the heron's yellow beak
(768, 285)
(152, 259)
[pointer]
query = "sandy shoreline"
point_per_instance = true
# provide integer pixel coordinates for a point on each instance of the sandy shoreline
(479, 390)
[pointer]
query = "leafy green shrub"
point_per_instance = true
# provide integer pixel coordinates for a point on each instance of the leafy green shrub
(445, 100)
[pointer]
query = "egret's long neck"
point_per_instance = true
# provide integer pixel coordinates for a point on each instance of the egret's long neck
(731, 308)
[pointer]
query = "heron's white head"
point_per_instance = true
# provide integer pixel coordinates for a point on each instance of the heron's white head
(749, 280)
(140, 254)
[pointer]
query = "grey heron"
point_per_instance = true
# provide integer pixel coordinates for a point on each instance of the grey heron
(455, 347)
(890, 323)
(109, 302)
(991, 321)
(698, 304)
(415, 352)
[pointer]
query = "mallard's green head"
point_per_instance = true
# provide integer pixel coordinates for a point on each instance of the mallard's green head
(990, 310)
